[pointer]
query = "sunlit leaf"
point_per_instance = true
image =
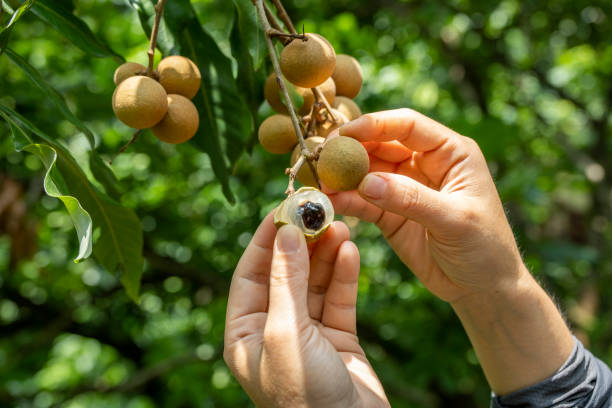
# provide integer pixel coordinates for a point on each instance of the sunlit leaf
(5, 32)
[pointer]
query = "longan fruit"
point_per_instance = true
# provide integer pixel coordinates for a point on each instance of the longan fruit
(348, 76)
(347, 106)
(277, 135)
(325, 128)
(179, 75)
(272, 93)
(140, 102)
(127, 70)
(343, 163)
(305, 175)
(308, 63)
(180, 123)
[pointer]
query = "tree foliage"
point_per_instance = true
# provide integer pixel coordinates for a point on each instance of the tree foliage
(529, 81)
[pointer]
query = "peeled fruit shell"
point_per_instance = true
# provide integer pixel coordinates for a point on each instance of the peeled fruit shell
(180, 123)
(277, 135)
(126, 70)
(343, 163)
(305, 175)
(308, 63)
(140, 102)
(325, 128)
(179, 75)
(272, 93)
(347, 106)
(348, 76)
(308, 209)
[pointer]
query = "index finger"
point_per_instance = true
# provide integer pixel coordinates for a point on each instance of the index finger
(249, 288)
(411, 128)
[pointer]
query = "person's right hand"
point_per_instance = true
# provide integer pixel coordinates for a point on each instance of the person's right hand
(430, 192)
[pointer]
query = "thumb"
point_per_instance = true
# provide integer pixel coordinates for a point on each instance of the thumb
(289, 277)
(407, 197)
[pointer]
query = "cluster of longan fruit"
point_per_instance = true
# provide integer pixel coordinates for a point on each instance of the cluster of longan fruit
(161, 102)
(308, 63)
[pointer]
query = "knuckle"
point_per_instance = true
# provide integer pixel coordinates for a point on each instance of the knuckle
(409, 198)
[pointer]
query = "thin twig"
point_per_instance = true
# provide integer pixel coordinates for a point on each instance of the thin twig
(159, 9)
(321, 98)
(281, 83)
(282, 13)
(292, 172)
(125, 146)
(277, 33)
(272, 18)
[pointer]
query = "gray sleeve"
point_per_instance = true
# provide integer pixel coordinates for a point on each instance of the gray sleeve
(583, 381)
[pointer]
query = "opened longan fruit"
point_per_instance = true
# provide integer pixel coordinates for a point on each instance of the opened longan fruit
(343, 163)
(347, 106)
(140, 102)
(325, 128)
(127, 70)
(179, 75)
(272, 93)
(305, 175)
(308, 63)
(348, 76)
(180, 123)
(277, 135)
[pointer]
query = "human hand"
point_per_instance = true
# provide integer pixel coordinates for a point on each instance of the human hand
(290, 334)
(430, 192)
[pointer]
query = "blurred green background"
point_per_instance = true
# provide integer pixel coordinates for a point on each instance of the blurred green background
(531, 82)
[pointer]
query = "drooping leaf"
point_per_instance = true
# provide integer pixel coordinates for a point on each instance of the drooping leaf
(146, 13)
(224, 117)
(250, 81)
(119, 247)
(5, 32)
(60, 17)
(253, 38)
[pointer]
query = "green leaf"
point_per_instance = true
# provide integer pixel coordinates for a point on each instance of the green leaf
(5, 32)
(146, 13)
(57, 15)
(51, 94)
(249, 81)
(104, 174)
(119, 247)
(224, 116)
(251, 33)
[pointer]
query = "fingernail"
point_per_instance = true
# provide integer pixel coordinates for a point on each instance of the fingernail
(288, 239)
(373, 186)
(351, 126)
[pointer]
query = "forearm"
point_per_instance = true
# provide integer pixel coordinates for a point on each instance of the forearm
(518, 334)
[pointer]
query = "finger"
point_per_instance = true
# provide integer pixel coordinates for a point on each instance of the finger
(393, 152)
(406, 197)
(339, 310)
(414, 130)
(322, 266)
(249, 288)
(287, 305)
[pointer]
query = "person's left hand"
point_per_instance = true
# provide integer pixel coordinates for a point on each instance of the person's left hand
(290, 334)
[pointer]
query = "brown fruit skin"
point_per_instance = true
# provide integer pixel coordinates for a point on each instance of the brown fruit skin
(343, 163)
(272, 93)
(305, 175)
(126, 70)
(308, 63)
(277, 135)
(347, 106)
(348, 76)
(325, 128)
(180, 123)
(140, 102)
(179, 75)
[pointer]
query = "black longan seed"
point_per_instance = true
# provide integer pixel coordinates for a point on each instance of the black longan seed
(312, 214)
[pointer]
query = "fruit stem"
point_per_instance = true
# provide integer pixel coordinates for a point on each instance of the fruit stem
(159, 9)
(277, 33)
(125, 146)
(259, 4)
(292, 172)
(275, 24)
(282, 13)
(321, 98)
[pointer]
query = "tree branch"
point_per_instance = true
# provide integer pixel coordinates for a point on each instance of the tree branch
(159, 9)
(282, 13)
